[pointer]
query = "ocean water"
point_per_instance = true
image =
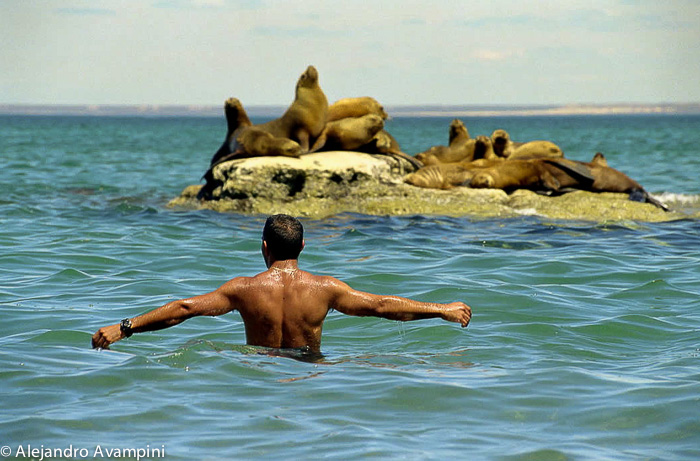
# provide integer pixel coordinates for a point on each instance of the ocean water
(584, 342)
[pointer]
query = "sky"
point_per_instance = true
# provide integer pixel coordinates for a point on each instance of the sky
(401, 52)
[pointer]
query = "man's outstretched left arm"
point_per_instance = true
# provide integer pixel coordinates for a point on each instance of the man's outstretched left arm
(359, 303)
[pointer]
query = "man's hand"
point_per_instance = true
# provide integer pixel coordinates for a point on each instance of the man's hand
(458, 313)
(106, 336)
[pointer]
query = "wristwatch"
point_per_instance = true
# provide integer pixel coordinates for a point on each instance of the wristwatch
(125, 327)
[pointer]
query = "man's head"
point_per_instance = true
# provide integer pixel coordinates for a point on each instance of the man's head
(284, 237)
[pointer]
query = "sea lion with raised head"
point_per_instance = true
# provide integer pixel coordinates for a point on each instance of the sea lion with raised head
(502, 144)
(236, 118)
(305, 118)
(460, 147)
(355, 107)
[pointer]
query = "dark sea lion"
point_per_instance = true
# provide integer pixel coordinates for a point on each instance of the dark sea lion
(236, 118)
(599, 178)
(355, 107)
(536, 149)
(460, 148)
(383, 143)
(306, 117)
(349, 133)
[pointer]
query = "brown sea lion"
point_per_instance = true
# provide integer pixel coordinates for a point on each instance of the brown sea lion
(236, 117)
(383, 143)
(536, 149)
(502, 144)
(483, 149)
(515, 174)
(350, 133)
(249, 142)
(355, 107)
(305, 118)
(460, 148)
(440, 176)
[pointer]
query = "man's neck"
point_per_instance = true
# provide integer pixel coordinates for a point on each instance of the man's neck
(286, 265)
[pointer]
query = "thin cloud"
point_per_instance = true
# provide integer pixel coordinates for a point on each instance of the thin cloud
(85, 11)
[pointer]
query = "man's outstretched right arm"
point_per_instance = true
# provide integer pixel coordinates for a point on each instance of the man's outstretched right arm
(217, 302)
(359, 303)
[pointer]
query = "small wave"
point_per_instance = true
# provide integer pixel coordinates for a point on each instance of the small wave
(683, 199)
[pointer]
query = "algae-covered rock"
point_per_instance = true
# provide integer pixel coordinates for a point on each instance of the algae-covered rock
(328, 183)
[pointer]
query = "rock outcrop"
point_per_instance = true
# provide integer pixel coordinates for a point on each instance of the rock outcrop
(328, 183)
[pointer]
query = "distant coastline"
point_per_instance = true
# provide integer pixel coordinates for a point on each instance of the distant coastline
(394, 111)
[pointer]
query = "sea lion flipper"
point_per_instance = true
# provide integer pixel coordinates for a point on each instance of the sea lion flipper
(320, 141)
(640, 195)
(576, 169)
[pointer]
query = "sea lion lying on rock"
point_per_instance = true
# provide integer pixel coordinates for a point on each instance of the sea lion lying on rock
(355, 107)
(383, 143)
(305, 118)
(236, 118)
(601, 178)
(460, 147)
(441, 175)
(557, 176)
(504, 147)
(536, 149)
(349, 133)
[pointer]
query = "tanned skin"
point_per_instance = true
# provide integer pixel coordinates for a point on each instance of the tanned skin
(284, 307)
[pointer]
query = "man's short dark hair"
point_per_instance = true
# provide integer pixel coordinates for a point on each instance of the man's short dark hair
(284, 235)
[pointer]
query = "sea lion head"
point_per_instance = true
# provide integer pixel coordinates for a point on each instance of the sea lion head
(287, 147)
(599, 159)
(374, 123)
(458, 128)
(482, 146)
(430, 156)
(482, 180)
(309, 78)
(500, 139)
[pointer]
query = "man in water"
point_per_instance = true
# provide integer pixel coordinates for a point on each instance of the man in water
(283, 307)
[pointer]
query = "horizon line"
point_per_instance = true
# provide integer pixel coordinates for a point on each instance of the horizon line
(408, 110)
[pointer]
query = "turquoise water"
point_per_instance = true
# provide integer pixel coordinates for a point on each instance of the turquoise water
(585, 340)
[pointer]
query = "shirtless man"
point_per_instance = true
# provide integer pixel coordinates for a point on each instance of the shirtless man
(283, 307)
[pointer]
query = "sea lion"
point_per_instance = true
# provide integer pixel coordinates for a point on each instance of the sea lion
(383, 143)
(599, 178)
(305, 118)
(502, 144)
(536, 149)
(460, 148)
(248, 142)
(355, 107)
(483, 149)
(236, 117)
(441, 175)
(515, 174)
(349, 133)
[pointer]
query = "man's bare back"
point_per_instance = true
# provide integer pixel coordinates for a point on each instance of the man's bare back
(283, 307)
